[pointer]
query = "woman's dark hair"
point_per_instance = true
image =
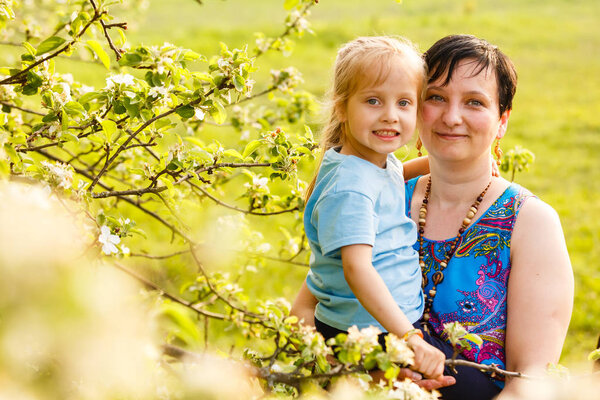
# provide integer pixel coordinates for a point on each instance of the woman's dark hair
(445, 54)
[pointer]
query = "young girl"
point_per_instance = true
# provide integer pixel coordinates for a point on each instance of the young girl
(364, 270)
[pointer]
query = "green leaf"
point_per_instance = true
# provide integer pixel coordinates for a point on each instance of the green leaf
(594, 355)
(168, 184)
(218, 112)
(251, 147)
(474, 338)
(233, 153)
(49, 44)
(130, 59)
(109, 127)
(186, 329)
(97, 48)
(87, 97)
(70, 137)
(186, 111)
(239, 83)
(74, 108)
(14, 157)
(289, 4)
(195, 141)
(30, 49)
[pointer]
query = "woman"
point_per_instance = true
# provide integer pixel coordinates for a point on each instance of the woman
(493, 256)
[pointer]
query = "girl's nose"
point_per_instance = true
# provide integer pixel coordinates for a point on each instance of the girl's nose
(390, 115)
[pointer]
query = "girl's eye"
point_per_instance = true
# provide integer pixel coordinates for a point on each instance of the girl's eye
(404, 103)
(373, 102)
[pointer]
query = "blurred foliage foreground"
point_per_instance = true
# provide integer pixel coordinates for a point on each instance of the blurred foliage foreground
(85, 171)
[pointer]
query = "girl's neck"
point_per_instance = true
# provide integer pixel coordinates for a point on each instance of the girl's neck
(453, 184)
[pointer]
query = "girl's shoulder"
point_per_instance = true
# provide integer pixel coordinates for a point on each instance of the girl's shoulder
(352, 174)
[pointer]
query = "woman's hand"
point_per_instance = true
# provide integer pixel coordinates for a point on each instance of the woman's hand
(304, 306)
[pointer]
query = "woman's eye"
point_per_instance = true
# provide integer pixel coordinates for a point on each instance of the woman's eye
(373, 102)
(435, 97)
(476, 103)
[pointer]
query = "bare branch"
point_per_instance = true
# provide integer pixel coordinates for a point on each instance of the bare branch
(140, 129)
(19, 77)
(22, 109)
(250, 212)
(488, 368)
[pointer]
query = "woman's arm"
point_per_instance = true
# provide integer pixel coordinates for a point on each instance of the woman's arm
(304, 306)
(416, 167)
(540, 294)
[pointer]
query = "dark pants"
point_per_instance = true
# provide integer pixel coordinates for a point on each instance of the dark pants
(471, 384)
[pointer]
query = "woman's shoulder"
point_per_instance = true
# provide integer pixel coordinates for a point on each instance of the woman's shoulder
(535, 217)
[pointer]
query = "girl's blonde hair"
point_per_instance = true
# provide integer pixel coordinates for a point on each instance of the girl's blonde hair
(353, 67)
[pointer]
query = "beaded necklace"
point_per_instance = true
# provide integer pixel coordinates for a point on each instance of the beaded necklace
(438, 276)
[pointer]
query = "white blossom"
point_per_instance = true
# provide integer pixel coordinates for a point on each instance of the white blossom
(108, 241)
(366, 338)
(65, 96)
(199, 114)
(258, 183)
(158, 91)
(398, 350)
(263, 248)
(119, 79)
(407, 389)
(58, 174)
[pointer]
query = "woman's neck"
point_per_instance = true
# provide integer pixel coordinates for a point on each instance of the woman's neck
(453, 184)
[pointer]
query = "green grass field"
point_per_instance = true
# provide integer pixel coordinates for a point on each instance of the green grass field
(555, 45)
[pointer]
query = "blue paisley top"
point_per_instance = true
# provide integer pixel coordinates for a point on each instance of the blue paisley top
(473, 291)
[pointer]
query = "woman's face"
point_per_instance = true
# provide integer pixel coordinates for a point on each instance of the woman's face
(460, 120)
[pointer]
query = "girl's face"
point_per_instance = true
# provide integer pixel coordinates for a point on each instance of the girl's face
(381, 117)
(460, 120)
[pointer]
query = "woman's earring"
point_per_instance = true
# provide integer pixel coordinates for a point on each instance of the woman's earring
(498, 152)
(419, 144)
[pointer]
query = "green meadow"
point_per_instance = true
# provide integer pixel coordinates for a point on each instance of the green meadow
(555, 45)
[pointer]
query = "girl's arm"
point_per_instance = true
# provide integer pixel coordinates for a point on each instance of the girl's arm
(304, 306)
(416, 167)
(373, 294)
(540, 295)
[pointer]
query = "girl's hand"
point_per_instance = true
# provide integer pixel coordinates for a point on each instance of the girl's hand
(428, 360)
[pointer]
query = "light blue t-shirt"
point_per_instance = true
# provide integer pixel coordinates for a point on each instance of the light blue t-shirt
(356, 202)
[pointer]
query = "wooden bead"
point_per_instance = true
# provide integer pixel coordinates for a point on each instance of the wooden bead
(438, 276)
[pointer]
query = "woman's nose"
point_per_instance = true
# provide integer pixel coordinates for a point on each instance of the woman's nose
(452, 115)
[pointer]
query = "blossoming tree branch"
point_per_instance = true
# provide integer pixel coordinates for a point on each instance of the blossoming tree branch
(170, 134)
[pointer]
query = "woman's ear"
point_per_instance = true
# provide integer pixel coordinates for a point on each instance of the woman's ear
(503, 124)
